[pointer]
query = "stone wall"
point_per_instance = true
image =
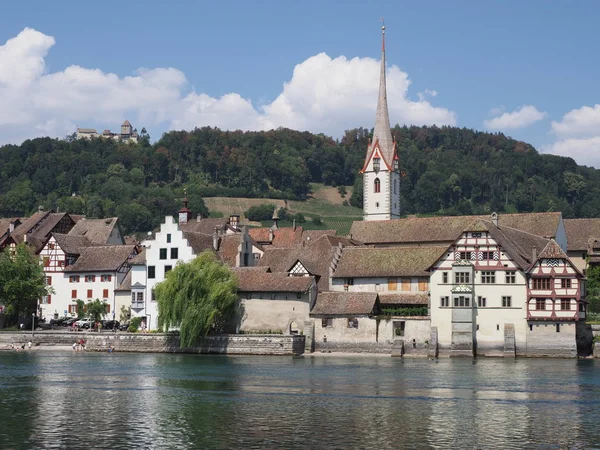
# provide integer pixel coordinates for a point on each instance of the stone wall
(231, 344)
(543, 340)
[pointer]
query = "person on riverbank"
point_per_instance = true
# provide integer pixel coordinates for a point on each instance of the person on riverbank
(29, 345)
(74, 346)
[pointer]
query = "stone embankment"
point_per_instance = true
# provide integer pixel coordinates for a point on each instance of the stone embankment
(231, 344)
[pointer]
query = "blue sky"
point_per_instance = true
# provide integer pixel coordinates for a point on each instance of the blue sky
(226, 63)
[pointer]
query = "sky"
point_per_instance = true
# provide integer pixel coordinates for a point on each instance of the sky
(529, 69)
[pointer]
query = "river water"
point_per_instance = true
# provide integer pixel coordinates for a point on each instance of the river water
(87, 400)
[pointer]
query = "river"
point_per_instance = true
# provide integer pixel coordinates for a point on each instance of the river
(101, 400)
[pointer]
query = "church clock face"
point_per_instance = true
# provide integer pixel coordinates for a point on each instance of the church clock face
(182, 217)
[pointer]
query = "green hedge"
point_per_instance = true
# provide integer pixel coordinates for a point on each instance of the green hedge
(407, 311)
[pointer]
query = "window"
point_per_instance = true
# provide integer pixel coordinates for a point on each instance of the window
(565, 304)
(462, 277)
(90, 278)
(445, 277)
(558, 327)
(506, 301)
(174, 253)
(105, 293)
(105, 277)
(462, 301)
(541, 283)
(565, 283)
(465, 255)
(151, 272)
(74, 293)
(488, 277)
(476, 234)
(377, 185)
(406, 284)
(46, 260)
(133, 297)
(74, 279)
(540, 304)
(162, 253)
(392, 284)
(152, 296)
(48, 281)
(168, 238)
(423, 284)
(530, 327)
(352, 323)
(46, 299)
(349, 281)
(326, 323)
(298, 294)
(168, 269)
(89, 294)
(140, 297)
(487, 256)
(107, 306)
(581, 307)
(510, 277)
(481, 302)
(444, 301)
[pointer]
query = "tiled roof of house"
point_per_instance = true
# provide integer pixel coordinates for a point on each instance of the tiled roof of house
(254, 279)
(199, 241)
(552, 250)
(125, 284)
(518, 244)
(580, 231)
(101, 258)
(387, 262)
(96, 230)
(315, 256)
(403, 299)
(49, 222)
(140, 258)
(447, 228)
(313, 235)
(5, 224)
(206, 226)
(229, 248)
(71, 244)
(344, 303)
(27, 224)
(282, 237)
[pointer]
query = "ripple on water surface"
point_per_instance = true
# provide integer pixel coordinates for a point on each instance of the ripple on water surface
(64, 400)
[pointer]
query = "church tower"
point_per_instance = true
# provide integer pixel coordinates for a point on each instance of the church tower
(381, 174)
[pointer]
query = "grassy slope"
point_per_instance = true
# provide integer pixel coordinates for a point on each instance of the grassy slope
(325, 202)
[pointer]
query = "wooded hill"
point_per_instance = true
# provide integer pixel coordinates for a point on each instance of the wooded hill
(445, 171)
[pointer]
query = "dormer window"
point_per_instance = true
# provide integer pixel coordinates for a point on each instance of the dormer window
(376, 164)
(396, 166)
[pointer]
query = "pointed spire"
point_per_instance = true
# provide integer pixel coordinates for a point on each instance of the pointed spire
(382, 132)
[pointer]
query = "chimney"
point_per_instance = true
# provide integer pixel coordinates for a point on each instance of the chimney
(40, 208)
(11, 227)
(199, 218)
(495, 218)
(534, 254)
(215, 237)
(25, 238)
(294, 224)
(271, 235)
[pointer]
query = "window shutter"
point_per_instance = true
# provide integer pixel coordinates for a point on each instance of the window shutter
(110, 278)
(49, 281)
(89, 293)
(105, 293)
(107, 308)
(74, 293)
(93, 277)
(49, 299)
(70, 309)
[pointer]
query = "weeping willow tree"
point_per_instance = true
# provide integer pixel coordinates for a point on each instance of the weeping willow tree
(196, 297)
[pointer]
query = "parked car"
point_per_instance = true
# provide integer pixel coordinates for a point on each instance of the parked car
(84, 323)
(69, 322)
(124, 326)
(110, 324)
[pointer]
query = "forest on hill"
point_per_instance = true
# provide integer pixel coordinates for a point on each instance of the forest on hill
(445, 170)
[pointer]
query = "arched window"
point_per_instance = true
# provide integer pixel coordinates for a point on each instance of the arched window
(377, 185)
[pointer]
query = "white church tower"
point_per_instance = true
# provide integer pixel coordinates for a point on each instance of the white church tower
(381, 174)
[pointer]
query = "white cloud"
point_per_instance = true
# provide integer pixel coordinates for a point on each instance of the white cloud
(324, 95)
(520, 118)
(579, 136)
(584, 121)
(585, 151)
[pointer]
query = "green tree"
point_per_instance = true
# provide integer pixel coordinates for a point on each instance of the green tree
(259, 213)
(197, 297)
(96, 310)
(22, 280)
(125, 313)
(80, 307)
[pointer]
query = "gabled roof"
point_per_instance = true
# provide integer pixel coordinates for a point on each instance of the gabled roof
(282, 237)
(580, 231)
(101, 258)
(71, 244)
(439, 229)
(126, 123)
(206, 226)
(27, 224)
(254, 279)
(125, 284)
(97, 231)
(403, 299)
(5, 224)
(552, 250)
(49, 222)
(229, 248)
(344, 303)
(199, 241)
(518, 244)
(387, 262)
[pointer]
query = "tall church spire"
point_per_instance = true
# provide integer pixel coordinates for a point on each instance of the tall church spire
(382, 131)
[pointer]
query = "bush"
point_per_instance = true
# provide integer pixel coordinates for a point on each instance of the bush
(342, 190)
(407, 311)
(317, 220)
(134, 324)
(259, 213)
(594, 304)
(298, 218)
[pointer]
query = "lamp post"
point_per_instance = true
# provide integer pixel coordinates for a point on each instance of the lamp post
(32, 323)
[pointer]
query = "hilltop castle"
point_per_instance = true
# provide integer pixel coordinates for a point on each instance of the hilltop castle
(127, 134)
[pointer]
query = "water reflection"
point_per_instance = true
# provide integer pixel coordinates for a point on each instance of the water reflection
(67, 400)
